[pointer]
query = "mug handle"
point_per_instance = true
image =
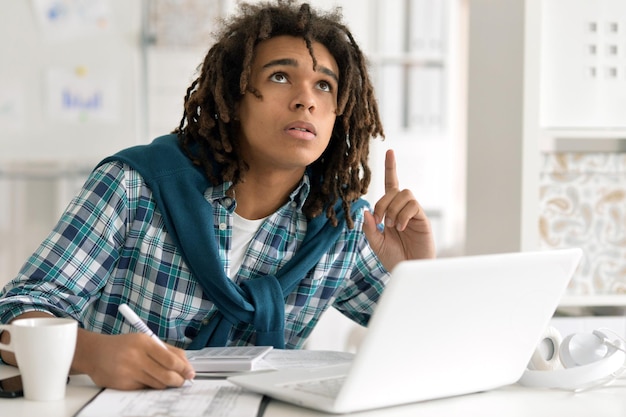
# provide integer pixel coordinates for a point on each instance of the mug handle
(5, 346)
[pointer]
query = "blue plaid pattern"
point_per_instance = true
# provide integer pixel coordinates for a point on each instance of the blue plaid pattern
(110, 247)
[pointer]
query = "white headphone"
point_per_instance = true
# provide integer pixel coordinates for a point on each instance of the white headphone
(581, 360)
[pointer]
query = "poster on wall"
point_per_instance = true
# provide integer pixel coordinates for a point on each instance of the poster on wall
(198, 17)
(61, 20)
(81, 95)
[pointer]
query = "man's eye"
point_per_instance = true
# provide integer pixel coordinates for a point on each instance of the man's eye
(325, 86)
(278, 77)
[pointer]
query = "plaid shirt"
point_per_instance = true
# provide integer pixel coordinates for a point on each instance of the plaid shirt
(111, 247)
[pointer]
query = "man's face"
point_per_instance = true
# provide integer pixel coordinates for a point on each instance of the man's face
(290, 125)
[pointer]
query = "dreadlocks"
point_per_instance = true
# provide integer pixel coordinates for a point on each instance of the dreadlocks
(208, 133)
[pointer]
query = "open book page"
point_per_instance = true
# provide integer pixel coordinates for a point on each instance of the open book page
(203, 398)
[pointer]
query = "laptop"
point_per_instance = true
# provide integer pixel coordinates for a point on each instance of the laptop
(442, 328)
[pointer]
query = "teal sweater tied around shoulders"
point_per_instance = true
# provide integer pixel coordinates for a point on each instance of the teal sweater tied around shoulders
(178, 188)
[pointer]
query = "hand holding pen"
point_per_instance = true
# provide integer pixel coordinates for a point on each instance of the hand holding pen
(140, 325)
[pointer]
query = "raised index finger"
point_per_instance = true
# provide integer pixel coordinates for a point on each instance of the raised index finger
(391, 176)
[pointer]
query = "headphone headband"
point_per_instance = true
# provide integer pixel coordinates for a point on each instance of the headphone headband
(576, 377)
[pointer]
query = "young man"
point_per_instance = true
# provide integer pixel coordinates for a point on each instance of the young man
(244, 225)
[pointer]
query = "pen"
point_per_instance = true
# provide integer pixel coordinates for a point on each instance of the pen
(138, 324)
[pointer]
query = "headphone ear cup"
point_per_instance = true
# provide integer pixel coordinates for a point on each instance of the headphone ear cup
(546, 355)
(582, 349)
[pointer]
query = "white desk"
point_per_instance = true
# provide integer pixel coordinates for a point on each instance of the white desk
(510, 401)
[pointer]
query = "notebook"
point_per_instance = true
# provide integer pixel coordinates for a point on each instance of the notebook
(442, 328)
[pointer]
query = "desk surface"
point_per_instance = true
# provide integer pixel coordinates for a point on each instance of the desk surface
(509, 401)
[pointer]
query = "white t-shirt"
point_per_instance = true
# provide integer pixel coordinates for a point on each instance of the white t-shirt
(243, 232)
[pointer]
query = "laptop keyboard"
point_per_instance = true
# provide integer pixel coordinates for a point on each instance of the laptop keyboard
(327, 387)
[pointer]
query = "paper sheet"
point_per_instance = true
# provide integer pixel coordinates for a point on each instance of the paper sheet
(67, 20)
(202, 398)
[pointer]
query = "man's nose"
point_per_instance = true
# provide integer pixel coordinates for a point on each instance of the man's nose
(304, 99)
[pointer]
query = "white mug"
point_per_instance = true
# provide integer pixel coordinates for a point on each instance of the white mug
(44, 349)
